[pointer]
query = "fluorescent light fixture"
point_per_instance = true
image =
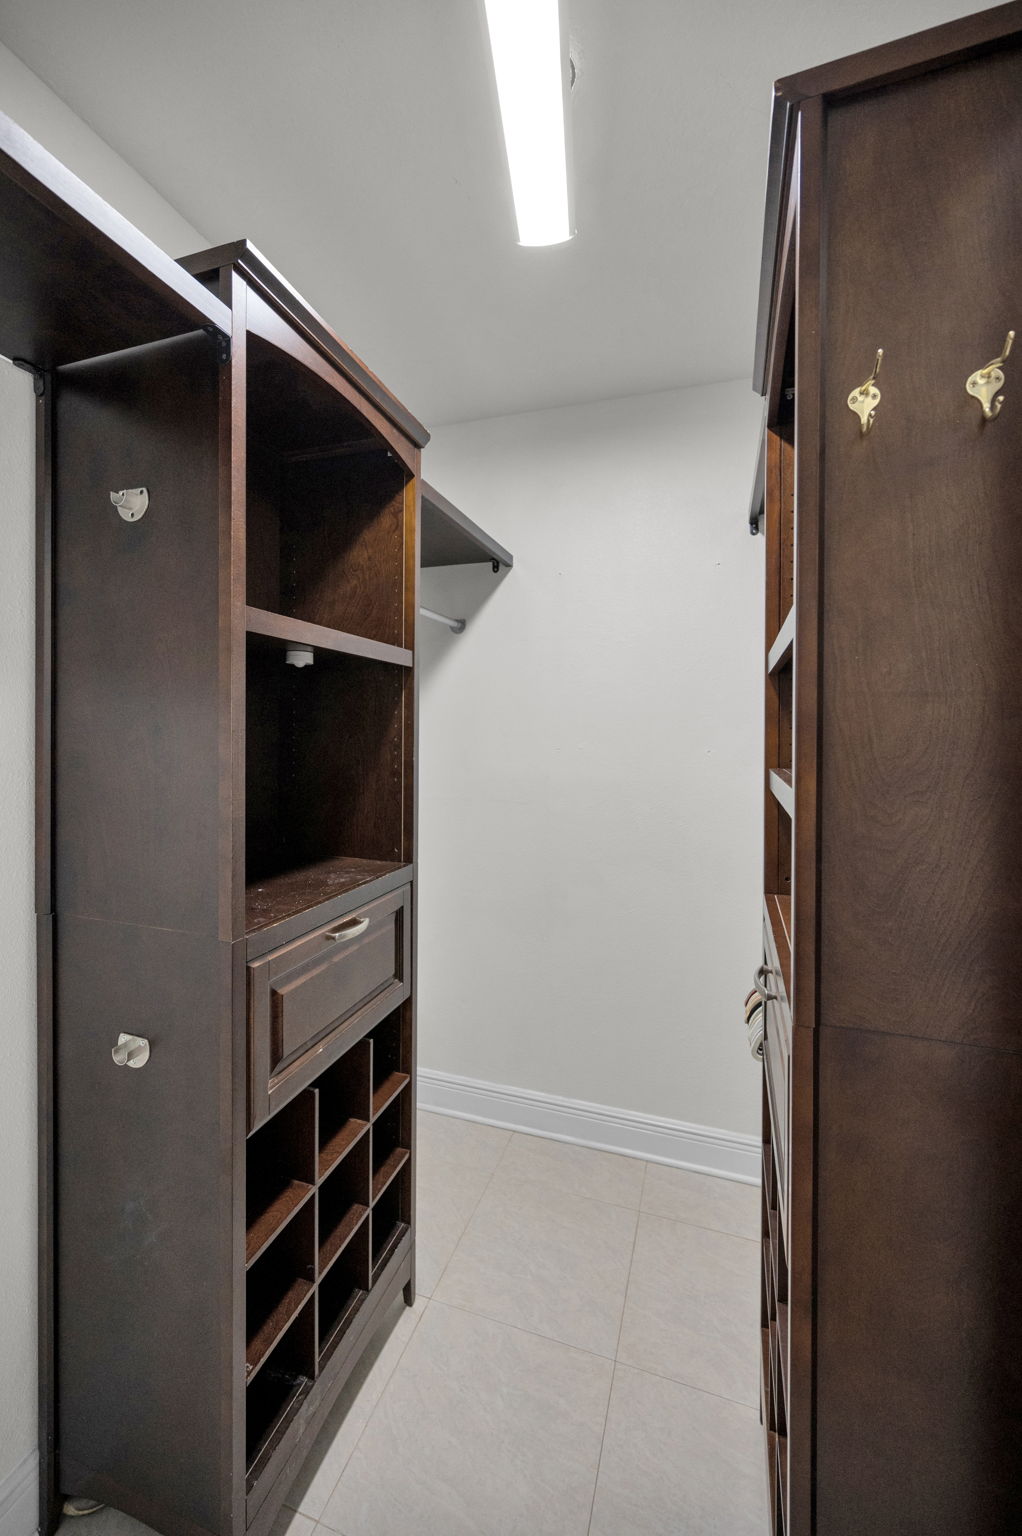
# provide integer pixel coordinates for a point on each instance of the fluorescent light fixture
(525, 37)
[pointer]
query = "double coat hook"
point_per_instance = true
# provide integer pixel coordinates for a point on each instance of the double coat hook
(985, 382)
(864, 400)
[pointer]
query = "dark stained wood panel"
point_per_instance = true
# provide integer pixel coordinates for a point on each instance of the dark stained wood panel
(287, 631)
(919, 1334)
(921, 885)
(451, 538)
(138, 769)
(145, 1244)
(78, 279)
(277, 291)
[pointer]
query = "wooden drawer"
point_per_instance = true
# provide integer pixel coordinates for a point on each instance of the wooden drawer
(309, 1000)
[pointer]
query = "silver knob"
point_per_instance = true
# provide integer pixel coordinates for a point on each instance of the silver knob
(131, 1051)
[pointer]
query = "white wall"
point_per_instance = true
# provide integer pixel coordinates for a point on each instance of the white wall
(34, 107)
(590, 813)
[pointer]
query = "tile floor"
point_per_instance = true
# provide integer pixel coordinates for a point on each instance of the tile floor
(581, 1360)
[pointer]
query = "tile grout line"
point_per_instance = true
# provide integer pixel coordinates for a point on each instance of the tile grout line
(643, 1370)
(470, 1216)
(501, 1322)
(401, 1354)
(617, 1341)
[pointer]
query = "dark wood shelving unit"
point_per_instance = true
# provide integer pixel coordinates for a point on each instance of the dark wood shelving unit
(235, 875)
(388, 1170)
(891, 1366)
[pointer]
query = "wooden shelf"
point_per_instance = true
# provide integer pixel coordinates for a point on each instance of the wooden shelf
(340, 1324)
(275, 1218)
(339, 1144)
(334, 1244)
(783, 790)
(290, 1395)
(782, 1348)
(279, 897)
(285, 631)
(276, 1325)
(388, 1091)
(778, 914)
(780, 652)
(387, 1249)
(388, 1171)
(450, 538)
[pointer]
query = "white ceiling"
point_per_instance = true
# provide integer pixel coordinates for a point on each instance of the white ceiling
(357, 144)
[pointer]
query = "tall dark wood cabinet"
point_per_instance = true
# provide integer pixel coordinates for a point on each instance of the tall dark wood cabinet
(888, 492)
(228, 588)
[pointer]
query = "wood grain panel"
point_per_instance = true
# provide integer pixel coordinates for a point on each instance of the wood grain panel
(919, 1334)
(145, 1239)
(138, 770)
(921, 884)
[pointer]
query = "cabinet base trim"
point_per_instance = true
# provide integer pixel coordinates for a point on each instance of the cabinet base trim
(19, 1498)
(700, 1148)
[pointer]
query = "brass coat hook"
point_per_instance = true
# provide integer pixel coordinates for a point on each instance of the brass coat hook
(985, 382)
(864, 400)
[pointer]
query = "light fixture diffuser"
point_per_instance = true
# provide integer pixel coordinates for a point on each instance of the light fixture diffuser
(526, 42)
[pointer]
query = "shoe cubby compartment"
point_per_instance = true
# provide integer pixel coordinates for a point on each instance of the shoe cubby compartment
(277, 1285)
(388, 1077)
(343, 1204)
(275, 1393)
(390, 1220)
(344, 1105)
(281, 1161)
(343, 1289)
(390, 1147)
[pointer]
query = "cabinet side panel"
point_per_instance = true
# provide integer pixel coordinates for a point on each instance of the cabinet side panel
(919, 1334)
(921, 884)
(136, 606)
(144, 1220)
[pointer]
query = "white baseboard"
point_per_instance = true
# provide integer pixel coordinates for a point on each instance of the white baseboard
(700, 1148)
(19, 1498)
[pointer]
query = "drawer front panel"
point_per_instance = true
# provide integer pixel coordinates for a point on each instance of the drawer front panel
(311, 998)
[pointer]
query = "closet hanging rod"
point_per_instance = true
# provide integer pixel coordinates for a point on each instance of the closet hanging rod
(456, 625)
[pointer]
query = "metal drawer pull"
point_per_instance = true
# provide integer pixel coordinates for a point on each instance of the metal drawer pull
(348, 930)
(131, 1051)
(759, 982)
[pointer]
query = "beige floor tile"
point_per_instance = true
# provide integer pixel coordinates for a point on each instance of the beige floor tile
(579, 1170)
(692, 1310)
(542, 1259)
(702, 1199)
(451, 1140)
(483, 1430)
(335, 1442)
(456, 1162)
(677, 1462)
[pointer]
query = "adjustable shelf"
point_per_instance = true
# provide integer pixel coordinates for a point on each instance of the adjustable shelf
(448, 537)
(343, 1289)
(780, 652)
(783, 789)
(274, 1396)
(285, 631)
